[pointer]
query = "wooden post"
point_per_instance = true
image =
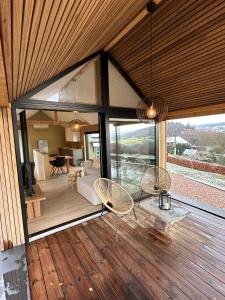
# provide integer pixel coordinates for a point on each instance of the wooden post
(162, 144)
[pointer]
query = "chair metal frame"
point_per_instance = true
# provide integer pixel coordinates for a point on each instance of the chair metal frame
(105, 201)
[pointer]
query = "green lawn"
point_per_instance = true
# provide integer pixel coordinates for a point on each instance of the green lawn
(136, 140)
(212, 179)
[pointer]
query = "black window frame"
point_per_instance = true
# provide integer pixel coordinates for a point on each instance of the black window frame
(105, 112)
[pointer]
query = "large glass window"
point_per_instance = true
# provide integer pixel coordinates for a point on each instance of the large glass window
(121, 94)
(92, 141)
(132, 146)
(79, 86)
(196, 159)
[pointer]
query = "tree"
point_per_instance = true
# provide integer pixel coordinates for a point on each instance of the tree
(220, 140)
(174, 128)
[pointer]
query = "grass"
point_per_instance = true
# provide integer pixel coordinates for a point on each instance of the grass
(135, 140)
(212, 179)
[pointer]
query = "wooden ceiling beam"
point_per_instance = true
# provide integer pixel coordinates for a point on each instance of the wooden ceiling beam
(56, 116)
(197, 111)
(128, 28)
(47, 122)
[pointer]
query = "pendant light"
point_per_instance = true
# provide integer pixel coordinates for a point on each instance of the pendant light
(77, 123)
(153, 108)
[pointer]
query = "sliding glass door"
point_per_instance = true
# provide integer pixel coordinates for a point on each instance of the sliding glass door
(132, 150)
(92, 141)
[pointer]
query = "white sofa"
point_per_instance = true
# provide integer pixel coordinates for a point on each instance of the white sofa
(91, 167)
(85, 186)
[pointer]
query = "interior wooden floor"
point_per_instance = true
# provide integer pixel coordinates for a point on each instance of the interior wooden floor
(86, 262)
(62, 204)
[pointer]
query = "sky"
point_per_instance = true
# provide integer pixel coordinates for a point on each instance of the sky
(192, 121)
(203, 120)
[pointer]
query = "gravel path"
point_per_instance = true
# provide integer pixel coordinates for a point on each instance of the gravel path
(184, 186)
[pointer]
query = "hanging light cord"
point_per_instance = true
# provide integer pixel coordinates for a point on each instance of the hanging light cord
(151, 85)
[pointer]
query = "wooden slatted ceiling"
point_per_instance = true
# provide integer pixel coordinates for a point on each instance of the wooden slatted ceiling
(188, 53)
(3, 87)
(40, 38)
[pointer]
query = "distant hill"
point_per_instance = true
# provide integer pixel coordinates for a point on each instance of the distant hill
(211, 125)
(143, 132)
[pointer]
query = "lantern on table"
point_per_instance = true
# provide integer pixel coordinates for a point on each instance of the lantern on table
(164, 200)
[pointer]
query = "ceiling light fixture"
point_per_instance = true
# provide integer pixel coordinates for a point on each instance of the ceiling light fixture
(77, 123)
(153, 108)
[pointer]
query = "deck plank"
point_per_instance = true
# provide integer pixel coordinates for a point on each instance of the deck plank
(37, 284)
(105, 268)
(69, 286)
(109, 253)
(99, 281)
(52, 283)
(86, 261)
(84, 283)
(177, 255)
(160, 287)
(165, 263)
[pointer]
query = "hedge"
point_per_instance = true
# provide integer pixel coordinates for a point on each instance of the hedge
(197, 165)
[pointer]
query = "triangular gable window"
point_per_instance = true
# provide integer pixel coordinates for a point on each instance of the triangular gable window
(80, 86)
(121, 94)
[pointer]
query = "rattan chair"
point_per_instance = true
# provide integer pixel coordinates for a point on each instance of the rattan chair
(114, 197)
(154, 180)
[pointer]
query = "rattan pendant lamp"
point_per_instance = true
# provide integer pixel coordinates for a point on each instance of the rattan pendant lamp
(77, 123)
(153, 108)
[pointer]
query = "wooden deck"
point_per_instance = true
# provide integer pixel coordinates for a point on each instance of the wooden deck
(85, 261)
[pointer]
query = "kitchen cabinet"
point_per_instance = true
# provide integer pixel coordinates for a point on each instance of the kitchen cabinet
(76, 153)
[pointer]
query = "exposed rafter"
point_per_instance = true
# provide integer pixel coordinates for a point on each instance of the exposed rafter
(129, 27)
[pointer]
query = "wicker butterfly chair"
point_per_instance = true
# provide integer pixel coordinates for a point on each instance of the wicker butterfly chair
(154, 180)
(114, 197)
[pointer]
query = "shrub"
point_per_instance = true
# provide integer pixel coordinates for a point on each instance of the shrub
(197, 165)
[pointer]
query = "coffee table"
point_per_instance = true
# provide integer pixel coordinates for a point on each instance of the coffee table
(163, 219)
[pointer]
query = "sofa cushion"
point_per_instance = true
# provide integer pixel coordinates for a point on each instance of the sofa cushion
(85, 186)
